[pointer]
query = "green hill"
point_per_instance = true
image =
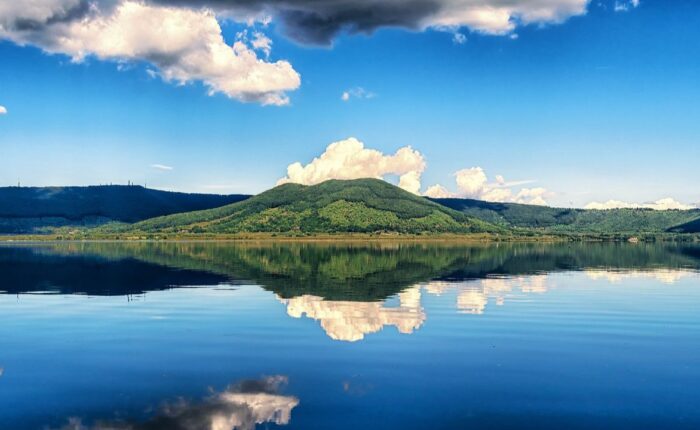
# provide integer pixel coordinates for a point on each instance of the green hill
(565, 220)
(362, 205)
(35, 209)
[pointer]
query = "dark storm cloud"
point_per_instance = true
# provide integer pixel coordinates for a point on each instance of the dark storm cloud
(72, 13)
(318, 21)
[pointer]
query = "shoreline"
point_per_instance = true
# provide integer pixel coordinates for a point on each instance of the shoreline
(356, 237)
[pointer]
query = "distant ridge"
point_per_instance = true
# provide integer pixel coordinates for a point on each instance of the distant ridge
(33, 209)
(570, 220)
(334, 206)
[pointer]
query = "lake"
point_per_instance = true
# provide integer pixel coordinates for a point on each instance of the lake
(383, 335)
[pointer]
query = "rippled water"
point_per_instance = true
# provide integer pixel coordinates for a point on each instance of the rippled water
(317, 336)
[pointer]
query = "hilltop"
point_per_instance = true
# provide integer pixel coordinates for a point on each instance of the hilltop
(569, 220)
(335, 206)
(34, 209)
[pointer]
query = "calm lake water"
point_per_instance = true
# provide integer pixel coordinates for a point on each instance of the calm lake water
(383, 336)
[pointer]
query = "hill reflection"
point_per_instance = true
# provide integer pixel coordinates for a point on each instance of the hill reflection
(338, 272)
(351, 290)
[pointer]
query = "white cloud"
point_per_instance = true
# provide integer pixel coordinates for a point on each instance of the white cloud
(3, 110)
(625, 5)
(473, 183)
(357, 93)
(660, 205)
(182, 39)
(438, 192)
(502, 17)
(262, 42)
(459, 38)
(349, 159)
(161, 167)
(185, 45)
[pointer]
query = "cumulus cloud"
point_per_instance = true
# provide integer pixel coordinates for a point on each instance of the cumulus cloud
(659, 205)
(318, 22)
(3, 110)
(357, 93)
(183, 44)
(239, 407)
(161, 167)
(349, 159)
(473, 183)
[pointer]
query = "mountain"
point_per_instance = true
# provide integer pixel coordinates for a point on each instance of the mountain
(362, 205)
(34, 209)
(566, 220)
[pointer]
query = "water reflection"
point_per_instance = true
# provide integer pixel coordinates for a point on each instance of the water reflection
(345, 287)
(351, 321)
(473, 297)
(338, 272)
(510, 320)
(238, 407)
(665, 276)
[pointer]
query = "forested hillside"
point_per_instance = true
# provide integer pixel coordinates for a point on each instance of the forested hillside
(33, 209)
(567, 220)
(362, 205)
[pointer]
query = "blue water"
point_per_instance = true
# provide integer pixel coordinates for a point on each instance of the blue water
(395, 336)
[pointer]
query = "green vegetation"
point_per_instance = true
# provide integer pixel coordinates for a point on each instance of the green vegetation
(578, 221)
(27, 210)
(364, 207)
(336, 271)
(356, 206)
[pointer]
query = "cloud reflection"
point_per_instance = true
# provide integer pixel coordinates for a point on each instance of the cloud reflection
(239, 407)
(665, 276)
(351, 321)
(474, 296)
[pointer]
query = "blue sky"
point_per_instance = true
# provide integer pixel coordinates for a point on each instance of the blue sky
(601, 106)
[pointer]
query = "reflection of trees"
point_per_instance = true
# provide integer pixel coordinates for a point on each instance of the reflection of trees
(239, 407)
(360, 271)
(25, 270)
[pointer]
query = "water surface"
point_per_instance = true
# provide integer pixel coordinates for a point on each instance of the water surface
(320, 336)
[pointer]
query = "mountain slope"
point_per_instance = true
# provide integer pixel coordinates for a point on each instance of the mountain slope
(566, 220)
(362, 205)
(30, 209)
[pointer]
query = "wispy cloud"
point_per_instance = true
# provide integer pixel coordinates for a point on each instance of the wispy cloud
(625, 5)
(357, 93)
(459, 38)
(161, 167)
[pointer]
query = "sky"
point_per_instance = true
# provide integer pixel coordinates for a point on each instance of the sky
(560, 102)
